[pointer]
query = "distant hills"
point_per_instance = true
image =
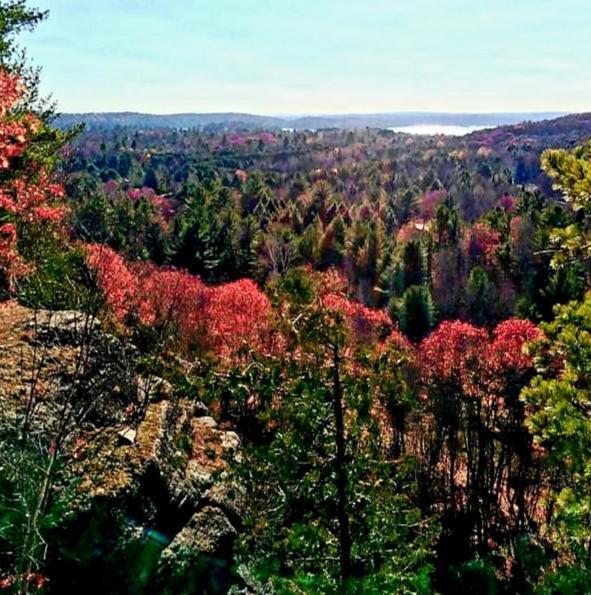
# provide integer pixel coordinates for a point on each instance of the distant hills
(564, 131)
(217, 122)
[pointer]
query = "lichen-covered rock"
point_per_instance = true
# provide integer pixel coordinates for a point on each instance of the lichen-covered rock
(212, 447)
(209, 532)
(228, 495)
(191, 489)
(147, 455)
(63, 326)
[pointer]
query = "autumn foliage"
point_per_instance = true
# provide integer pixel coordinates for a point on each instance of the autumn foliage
(238, 316)
(225, 319)
(482, 244)
(27, 195)
(365, 325)
(451, 356)
(460, 357)
(471, 381)
(114, 277)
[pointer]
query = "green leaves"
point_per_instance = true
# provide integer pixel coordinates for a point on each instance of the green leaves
(558, 405)
(571, 172)
(292, 538)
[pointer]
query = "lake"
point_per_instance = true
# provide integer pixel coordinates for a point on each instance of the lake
(431, 129)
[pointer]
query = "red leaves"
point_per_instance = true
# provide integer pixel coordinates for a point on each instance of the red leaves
(451, 354)
(10, 91)
(509, 339)
(225, 319)
(163, 205)
(507, 202)
(364, 324)
(168, 295)
(8, 233)
(33, 201)
(26, 196)
(238, 316)
(13, 133)
(397, 339)
(482, 243)
(460, 357)
(114, 278)
(33, 579)
(15, 130)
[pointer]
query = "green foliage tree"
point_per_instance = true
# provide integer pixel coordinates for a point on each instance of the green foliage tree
(481, 295)
(415, 312)
(329, 513)
(558, 403)
(15, 18)
(447, 221)
(413, 269)
(571, 175)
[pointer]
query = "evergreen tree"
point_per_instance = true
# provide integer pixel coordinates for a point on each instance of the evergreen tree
(415, 312)
(328, 513)
(481, 298)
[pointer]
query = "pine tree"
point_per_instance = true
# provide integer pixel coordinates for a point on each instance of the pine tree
(415, 312)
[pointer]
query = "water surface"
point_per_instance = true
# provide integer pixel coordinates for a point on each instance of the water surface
(431, 129)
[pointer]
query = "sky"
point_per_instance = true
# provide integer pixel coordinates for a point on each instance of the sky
(315, 56)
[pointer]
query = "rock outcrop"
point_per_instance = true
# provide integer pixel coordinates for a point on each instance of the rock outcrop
(144, 450)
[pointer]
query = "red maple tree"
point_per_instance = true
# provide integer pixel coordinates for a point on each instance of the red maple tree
(27, 194)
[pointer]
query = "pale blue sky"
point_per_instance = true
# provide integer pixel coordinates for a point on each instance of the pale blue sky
(315, 56)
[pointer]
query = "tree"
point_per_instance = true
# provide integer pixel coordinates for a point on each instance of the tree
(30, 204)
(331, 247)
(481, 293)
(415, 312)
(413, 262)
(228, 319)
(558, 405)
(257, 197)
(327, 511)
(571, 175)
(478, 441)
(16, 17)
(279, 249)
(447, 221)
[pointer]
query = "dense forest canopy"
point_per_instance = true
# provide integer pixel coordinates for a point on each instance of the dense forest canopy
(255, 360)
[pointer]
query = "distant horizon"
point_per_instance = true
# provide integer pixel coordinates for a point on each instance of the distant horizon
(407, 122)
(286, 115)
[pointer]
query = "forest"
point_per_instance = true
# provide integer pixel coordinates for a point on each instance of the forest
(291, 361)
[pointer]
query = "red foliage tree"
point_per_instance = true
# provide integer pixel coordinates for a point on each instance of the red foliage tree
(173, 298)
(239, 317)
(481, 244)
(479, 444)
(27, 196)
(365, 325)
(117, 282)
(226, 319)
(508, 342)
(451, 356)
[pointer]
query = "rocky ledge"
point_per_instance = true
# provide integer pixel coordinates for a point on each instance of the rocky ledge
(167, 473)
